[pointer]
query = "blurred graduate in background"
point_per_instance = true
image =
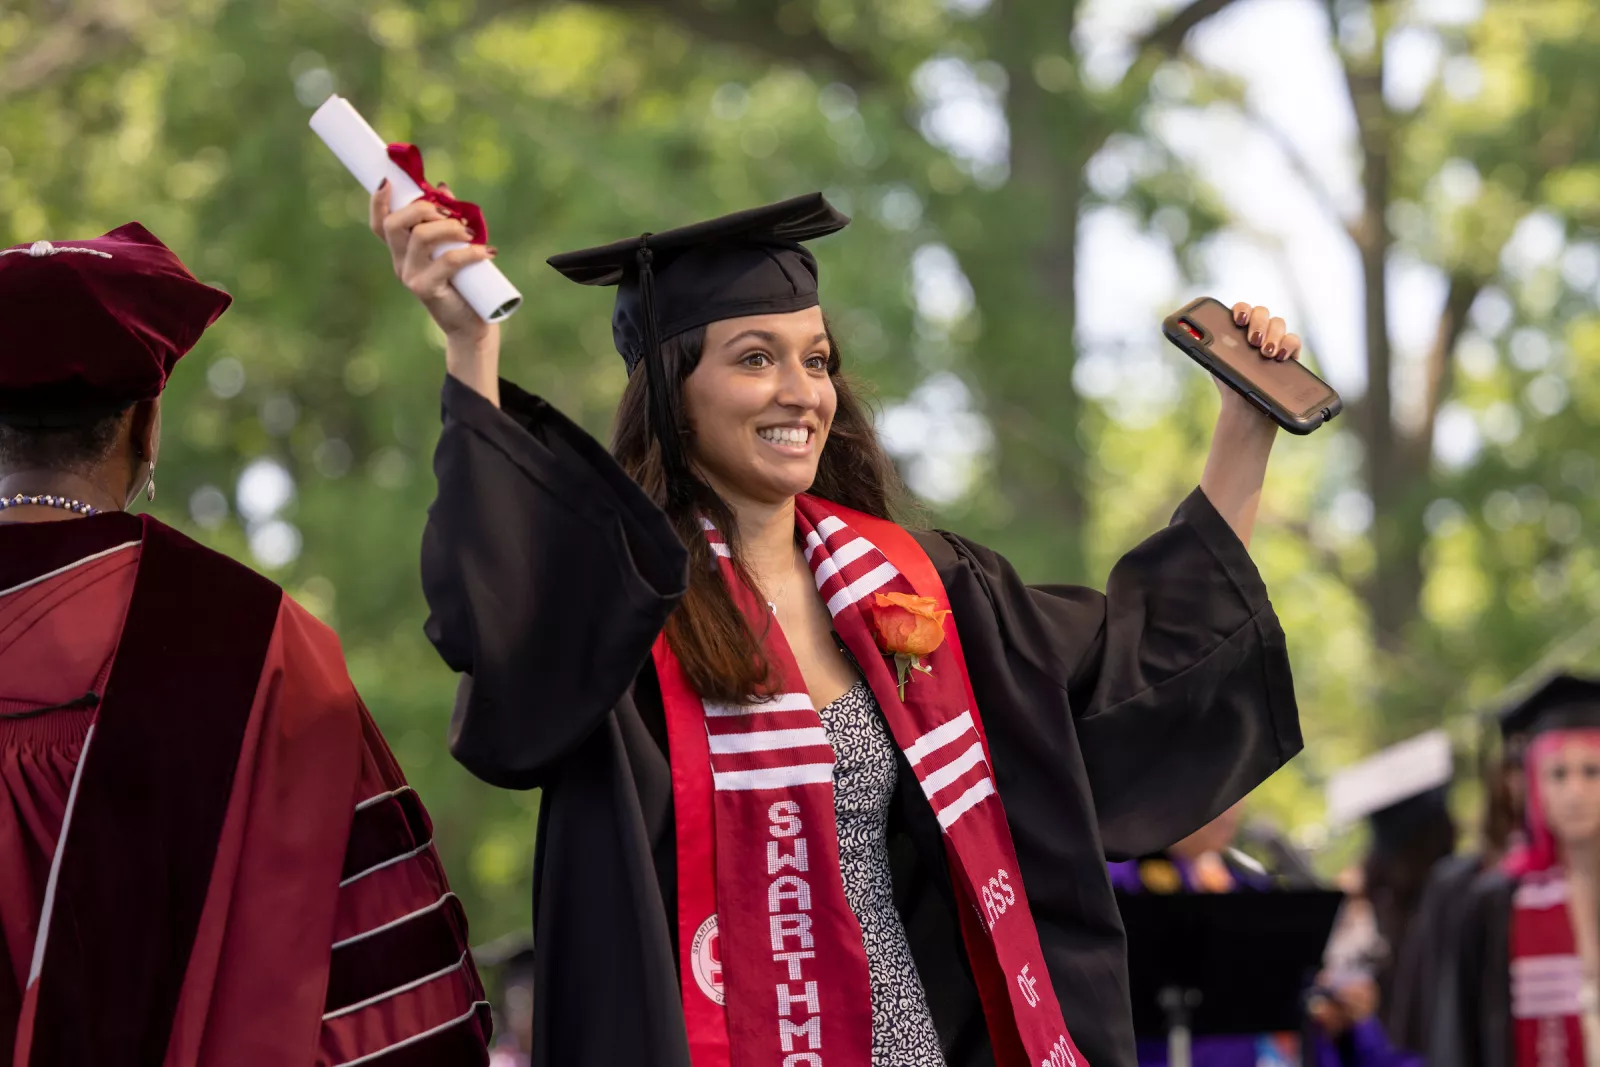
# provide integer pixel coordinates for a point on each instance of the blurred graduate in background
(1403, 795)
(1434, 928)
(1520, 985)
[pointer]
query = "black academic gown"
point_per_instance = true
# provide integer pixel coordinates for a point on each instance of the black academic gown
(1413, 999)
(1472, 1025)
(1118, 723)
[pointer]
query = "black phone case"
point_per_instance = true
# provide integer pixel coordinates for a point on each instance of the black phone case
(1200, 352)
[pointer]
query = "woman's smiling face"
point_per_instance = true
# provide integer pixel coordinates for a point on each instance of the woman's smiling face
(760, 403)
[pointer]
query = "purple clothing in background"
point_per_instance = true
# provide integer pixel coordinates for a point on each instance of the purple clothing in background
(1368, 1045)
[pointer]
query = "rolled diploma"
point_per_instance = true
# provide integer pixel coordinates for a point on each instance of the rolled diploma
(365, 155)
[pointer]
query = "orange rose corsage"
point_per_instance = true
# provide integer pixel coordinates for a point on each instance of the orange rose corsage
(907, 627)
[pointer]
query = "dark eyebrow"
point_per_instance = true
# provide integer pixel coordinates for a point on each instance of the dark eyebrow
(765, 335)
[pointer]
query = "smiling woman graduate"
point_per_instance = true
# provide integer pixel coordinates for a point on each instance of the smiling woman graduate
(817, 788)
(207, 853)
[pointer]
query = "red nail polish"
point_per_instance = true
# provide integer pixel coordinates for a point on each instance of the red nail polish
(1268, 350)
(493, 252)
(1255, 338)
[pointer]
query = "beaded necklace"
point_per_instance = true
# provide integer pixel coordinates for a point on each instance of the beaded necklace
(48, 500)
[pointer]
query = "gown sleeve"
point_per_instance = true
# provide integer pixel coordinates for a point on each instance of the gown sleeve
(1177, 675)
(548, 574)
(401, 979)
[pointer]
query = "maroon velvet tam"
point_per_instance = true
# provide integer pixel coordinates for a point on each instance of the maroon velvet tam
(95, 325)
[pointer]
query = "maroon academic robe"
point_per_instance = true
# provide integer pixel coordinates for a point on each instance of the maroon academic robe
(207, 853)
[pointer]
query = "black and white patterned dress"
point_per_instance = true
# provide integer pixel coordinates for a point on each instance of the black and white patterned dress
(864, 776)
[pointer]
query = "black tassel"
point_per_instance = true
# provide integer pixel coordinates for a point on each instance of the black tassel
(664, 423)
(90, 699)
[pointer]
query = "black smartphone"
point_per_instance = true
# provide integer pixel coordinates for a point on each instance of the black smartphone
(1286, 390)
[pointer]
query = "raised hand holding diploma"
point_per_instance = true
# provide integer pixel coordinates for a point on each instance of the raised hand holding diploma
(399, 168)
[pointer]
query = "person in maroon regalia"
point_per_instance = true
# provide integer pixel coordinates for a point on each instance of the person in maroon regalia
(207, 853)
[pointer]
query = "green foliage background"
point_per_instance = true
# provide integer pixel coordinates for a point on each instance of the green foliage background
(576, 123)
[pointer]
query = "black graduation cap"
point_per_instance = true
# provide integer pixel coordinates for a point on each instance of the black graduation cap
(1396, 788)
(1249, 956)
(751, 262)
(1562, 702)
(1400, 825)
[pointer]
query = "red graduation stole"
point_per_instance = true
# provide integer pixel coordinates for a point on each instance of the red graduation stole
(1546, 975)
(772, 966)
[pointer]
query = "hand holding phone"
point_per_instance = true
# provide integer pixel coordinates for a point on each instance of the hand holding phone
(1284, 389)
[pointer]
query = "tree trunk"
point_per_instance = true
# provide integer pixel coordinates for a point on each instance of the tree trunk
(1393, 467)
(1023, 269)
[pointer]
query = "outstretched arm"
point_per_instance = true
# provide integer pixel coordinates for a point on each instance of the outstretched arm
(1242, 441)
(548, 571)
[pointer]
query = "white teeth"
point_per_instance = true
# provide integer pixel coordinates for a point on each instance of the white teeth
(786, 435)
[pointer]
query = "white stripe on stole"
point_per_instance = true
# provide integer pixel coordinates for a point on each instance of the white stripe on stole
(720, 549)
(1542, 894)
(830, 525)
(1563, 967)
(858, 589)
(965, 803)
(846, 555)
(707, 524)
(954, 769)
(55, 862)
(781, 702)
(767, 740)
(938, 737)
(1543, 986)
(773, 777)
(825, 529)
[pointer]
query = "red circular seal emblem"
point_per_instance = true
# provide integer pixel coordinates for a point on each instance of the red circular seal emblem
(707, 960)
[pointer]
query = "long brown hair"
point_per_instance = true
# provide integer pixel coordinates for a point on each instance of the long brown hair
(722, 658)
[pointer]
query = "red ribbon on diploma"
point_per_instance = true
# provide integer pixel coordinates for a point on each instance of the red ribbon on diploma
(408, 157)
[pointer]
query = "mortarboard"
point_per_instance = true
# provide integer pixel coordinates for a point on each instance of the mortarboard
(751, 262)
(96, 324)
(1561, 702)
(1409, 778)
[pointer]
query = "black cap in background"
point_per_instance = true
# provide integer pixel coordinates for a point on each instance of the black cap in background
(1389, 787)
(1561, 702)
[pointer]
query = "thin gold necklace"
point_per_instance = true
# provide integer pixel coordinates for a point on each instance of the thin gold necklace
(772, 602)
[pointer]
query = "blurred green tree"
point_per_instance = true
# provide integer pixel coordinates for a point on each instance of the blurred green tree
(299, 431)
